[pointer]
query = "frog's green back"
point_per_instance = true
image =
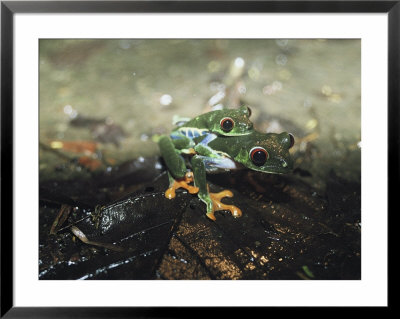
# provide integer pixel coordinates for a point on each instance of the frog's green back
(227, 122)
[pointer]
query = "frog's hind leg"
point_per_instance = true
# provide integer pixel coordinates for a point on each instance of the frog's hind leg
(212, 200)
(177, 173)
(175, 163)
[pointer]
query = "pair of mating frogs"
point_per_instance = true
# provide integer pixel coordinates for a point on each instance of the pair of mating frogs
(220, 141)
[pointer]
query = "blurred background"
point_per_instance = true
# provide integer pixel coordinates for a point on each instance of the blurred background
(102, 101)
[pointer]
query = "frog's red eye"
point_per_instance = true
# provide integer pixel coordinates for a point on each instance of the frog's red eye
(258, 156)
(227, 124)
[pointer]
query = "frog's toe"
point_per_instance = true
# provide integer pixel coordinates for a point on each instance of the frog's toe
(170, 193)
(224, 193)
(235, 211)
(189, 151)
(181, 183)
(192, 189)
(211, 215)
(218, 205)
(189, 177)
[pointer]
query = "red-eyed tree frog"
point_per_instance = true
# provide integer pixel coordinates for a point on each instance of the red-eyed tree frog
(221, 141)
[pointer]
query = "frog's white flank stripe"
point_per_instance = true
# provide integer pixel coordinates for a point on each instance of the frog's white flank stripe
(192, 132)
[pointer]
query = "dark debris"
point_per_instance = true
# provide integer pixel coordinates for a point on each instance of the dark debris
(288, 229)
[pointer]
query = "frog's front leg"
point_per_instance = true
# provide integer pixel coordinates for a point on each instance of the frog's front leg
(202, 147)
(200, 164)
(177, 172)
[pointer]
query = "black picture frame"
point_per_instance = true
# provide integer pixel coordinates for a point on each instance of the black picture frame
(9, 8)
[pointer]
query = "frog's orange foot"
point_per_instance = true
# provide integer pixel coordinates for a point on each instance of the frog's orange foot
(181, 183)
(218, 205)
(189, 151)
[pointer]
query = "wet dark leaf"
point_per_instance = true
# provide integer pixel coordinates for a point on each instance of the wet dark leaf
(285, 226)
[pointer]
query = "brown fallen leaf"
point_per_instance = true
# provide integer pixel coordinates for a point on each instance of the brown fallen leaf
(90, 163)
(78, 233)
(86, 147)
(61, 218)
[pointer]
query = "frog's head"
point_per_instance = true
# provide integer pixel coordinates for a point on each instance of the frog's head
(268, 152)
(231, 122)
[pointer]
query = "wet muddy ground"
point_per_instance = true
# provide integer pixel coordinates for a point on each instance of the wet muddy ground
(102, 209)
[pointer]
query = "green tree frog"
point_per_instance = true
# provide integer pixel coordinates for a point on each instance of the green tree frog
(226, 122)
(210, 153)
